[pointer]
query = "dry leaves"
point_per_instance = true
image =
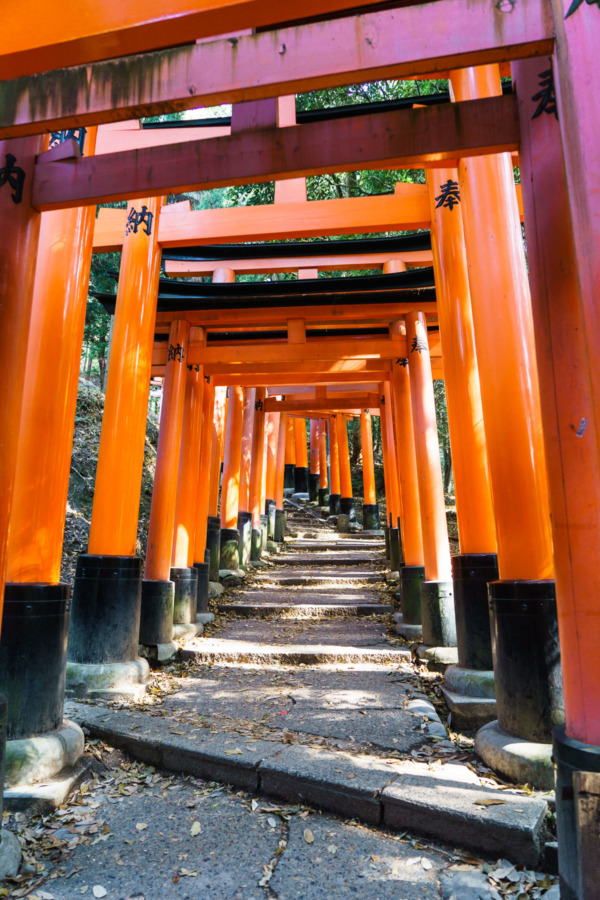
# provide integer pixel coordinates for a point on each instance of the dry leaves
(309, 836)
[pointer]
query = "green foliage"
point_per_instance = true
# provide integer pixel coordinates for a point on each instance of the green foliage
(441, 415)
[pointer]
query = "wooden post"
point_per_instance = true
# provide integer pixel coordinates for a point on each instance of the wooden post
(323, 480)
(290, 455)
(51, 368)
(280, 478)
(347, 506)
(370, 511)
(249, 400)
(301, 474)
(313, 478)
(164, 494)
(230, 489)
(213, 524)
(202, 496)
(390, 474)
(272, 440)
(586, 788)
(335, 494)
(256, 473)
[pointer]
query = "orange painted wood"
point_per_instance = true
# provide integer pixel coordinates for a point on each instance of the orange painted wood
(195, 268)
(394, 43)
(300, 437)
(20, 226)
(184, 542)
(388, 447)
(475, 512)
(168, 452)
(367, 457)
(118, 485)
(334, 456)
(282, 441)
(258, 458)
(399, 139)
(230, 487)
(216, 455)
(203, 488)
(314, 441)
(502, 317)
(50, 393)
(427, 450)
(272, 440)
(407, 209)
(410, 510)
(315, 349)
(343, 457)
(246, 461)
(118, 136)
(331, 403)
(290, 442)
(323, 481)
(567, 403)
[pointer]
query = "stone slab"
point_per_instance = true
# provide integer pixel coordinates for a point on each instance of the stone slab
(325, 576)
(356, 558)
(213, 650)
(469, 713)
(305, 610)
(390, 729)
(40, 758)
(330, 781)
(343, 544)
(43, 798)
(446, 809)
(354, 635)
(345, 862)
(524, 762)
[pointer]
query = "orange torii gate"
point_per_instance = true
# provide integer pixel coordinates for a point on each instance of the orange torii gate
(410, 41)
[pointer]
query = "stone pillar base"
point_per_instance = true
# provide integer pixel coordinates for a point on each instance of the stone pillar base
(114, 681)
(437, 658)
(279, 525)
(230, 549)
(313, 486)
(371, 517)
(471, 697)
(407, 631)
(523, 762)
(334, 504)
(158, 653)
(41, 757)
(437, 614)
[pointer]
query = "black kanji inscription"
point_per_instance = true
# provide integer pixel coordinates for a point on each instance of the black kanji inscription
(449, 195)
(14, 175)
(546, 96)
(136, 219)
(419, 344)
(175, 353)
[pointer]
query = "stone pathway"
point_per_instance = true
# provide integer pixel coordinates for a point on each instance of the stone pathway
(302, 694)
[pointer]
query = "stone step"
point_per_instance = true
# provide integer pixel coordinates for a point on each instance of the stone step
(445, 803)
(325, 577)
(344, 546)
(305, 610)
(355, 558)
(219, 650)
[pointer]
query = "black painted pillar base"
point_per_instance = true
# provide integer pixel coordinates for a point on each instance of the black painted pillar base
(203, 573)
(213, 545)
(33, 657)
(334, 504)
(386, 534)
(348, 508)
(323, 496)
(279, 525)
(244, 525)
(264, 531)
(257, 544)
(301, 479)
(411, 578)
(526, 656)
(394, 550)
(401, 560)
(570, 756)
(471, 574)
(313, 486)
(230, 549)
(270, 508)
(371, 517)
(105, 613)
(185, 601)
(156, 622)
(437, 614)
(289, 477)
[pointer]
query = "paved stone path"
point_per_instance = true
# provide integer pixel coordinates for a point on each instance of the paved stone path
(302, 694)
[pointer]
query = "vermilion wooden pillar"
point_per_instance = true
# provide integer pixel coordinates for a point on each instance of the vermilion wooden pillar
(244, 515)
(323, 480)
(370, 511)
(183, 572)
(230, 489)
(213, 525)
(412, 573)
(477, 563)
(272, 440)
(347, 506)
(105, 616)
(256, 473)
(202, 495)
(335, 494)
(313, 478)
(280, 477)
(290, 456)
(437, 605)
(570, 436)
(523, 601)
(390, 474)
(301, 474)
(50, 392)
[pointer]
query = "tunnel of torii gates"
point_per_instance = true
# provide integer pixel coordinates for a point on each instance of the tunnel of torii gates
(521, 343)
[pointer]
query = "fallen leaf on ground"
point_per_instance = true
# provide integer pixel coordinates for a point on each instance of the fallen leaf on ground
(233, 752)
(141, 826)
(195, 829)
(491, 801)
(99, 891)
(191, 873)
(309, 836)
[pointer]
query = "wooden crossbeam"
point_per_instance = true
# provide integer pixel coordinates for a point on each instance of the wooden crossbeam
(395, 43)
(179, 268)
(399, 139)
(407, 209)
(329, 404)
